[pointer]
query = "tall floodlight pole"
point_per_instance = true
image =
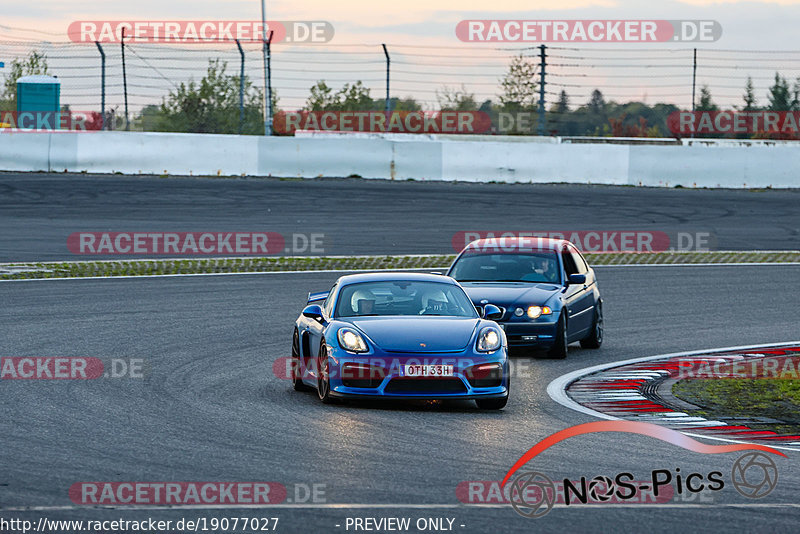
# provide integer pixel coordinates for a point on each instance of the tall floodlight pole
(388, 65)
(102, 85)
(125, 81)
(267, 88)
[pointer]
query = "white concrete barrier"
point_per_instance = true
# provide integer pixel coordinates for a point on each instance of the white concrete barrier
(694, 163)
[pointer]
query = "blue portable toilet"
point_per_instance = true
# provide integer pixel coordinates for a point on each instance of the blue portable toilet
(38, 102)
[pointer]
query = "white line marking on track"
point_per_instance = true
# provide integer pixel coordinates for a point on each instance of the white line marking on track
(218, 274)
(734, 264)
(251, 273)
(557, 389)
(359, 506)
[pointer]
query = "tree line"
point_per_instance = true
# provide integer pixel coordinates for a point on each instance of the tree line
(212, 104)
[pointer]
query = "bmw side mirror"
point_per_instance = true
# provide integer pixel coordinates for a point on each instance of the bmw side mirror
(313, 311)
(492, 312)
(577, 279)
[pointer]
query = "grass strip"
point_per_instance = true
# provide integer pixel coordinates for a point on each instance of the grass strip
(145, 267)
(725, 398)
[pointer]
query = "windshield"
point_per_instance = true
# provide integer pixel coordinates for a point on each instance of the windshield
(403, 298)
(505, 267)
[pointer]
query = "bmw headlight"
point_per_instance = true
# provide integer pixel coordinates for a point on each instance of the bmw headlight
(535, 312)
(350, 340)
(489, 339)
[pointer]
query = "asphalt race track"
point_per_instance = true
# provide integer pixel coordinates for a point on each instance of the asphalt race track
(210, 408)
(39, 211)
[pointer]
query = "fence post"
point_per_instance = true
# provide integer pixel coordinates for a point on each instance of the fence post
(694, 76)
(102, 86)
(388, 64)
(694, 83)
(269, 84)
(542, 66)
(241, 88)
(125, 81)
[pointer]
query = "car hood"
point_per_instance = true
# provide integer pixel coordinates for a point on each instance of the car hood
(418, 334)
(507, 294)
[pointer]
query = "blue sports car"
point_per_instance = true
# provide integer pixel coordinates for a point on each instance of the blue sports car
(400, 335)
(547, 292)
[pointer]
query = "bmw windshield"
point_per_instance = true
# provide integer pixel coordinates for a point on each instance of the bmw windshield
(507, 267)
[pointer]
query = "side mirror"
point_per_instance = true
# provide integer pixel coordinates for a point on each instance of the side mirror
(437, 272)
(492, 312)
(313, 311)
(577, 279)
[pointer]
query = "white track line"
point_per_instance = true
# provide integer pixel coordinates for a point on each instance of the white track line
(249, 273)
(359, 506)
(557, 389)
(252, 273)
(735, 264)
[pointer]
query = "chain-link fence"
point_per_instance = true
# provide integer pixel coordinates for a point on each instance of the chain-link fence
(587, 91)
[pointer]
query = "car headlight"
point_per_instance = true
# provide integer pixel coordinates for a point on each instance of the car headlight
(489, 339)
(537, 311)
(351, 340)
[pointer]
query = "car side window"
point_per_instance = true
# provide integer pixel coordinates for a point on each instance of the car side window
(569, 262)
(327, 306)
(580, 263)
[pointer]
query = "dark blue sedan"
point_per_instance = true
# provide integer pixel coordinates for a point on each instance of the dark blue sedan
(400, 335)
(547, 292)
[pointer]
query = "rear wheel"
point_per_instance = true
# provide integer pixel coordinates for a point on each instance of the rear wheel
(595, 339)
(324, 375)
(559, 349)
(297, 369)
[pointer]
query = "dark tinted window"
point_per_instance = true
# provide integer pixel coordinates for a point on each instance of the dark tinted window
(580, 263)
(569, 263)
(507, 267)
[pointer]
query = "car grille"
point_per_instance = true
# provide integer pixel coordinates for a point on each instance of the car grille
(503, 317)
(425, 385)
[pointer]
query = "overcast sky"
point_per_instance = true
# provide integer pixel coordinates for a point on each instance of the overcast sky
(746, 24)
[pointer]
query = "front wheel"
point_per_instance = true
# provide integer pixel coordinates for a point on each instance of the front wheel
(595, 339)
(559, 349)
(324, 375)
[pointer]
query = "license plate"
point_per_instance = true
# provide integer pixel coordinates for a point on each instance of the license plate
(422, 371)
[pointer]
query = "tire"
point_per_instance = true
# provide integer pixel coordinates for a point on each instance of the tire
(492, 404)
(323, 373)
(559, 348)
(296, 364)
(595, 339)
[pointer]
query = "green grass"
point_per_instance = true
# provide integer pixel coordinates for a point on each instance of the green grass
(733, 397)
(203, 265)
